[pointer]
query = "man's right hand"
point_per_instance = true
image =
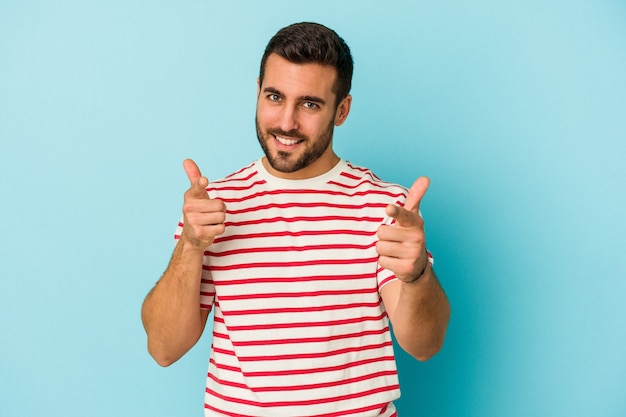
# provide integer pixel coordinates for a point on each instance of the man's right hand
(203, 216)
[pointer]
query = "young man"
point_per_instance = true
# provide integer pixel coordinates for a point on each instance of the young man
(303, 256)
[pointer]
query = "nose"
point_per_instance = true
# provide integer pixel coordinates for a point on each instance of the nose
(287, 119)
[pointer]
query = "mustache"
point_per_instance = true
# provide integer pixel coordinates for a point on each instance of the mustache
(291, 134)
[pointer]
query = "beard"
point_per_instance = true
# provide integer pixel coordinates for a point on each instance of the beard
(286, 162)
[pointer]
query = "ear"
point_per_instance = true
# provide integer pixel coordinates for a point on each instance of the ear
(258, 86)
(343, 109)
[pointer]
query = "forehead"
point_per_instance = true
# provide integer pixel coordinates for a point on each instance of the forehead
(299, 79)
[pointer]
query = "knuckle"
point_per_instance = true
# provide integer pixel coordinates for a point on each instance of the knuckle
(220, 217)
(415, 252)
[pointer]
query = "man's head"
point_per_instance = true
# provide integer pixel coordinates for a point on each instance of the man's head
(308, 43)
(303, 92)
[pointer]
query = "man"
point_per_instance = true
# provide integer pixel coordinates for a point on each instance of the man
(303, 257)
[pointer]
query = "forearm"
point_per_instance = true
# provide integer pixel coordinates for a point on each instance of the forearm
(421, 316)
(171, 312)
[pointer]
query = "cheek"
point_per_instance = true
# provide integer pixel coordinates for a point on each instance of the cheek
(314, 125)
(265, 117)
(259, 114)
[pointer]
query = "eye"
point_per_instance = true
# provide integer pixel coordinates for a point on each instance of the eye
(310, 105)
(273, 97)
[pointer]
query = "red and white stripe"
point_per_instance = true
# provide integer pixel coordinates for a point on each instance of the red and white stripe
(299, 327)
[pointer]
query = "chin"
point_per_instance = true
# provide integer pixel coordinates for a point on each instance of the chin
(281, 165)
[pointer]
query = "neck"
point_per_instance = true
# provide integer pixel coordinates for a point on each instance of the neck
(317, 168)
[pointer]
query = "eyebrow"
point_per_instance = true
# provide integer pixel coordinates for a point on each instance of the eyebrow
(313, 99)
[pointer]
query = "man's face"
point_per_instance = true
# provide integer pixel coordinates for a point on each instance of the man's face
(295, 118)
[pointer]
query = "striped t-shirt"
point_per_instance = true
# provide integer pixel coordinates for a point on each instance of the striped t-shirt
(299, 324)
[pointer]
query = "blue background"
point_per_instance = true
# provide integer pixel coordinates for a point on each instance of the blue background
(515, 109)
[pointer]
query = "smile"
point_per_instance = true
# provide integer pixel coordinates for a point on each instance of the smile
(287, 141)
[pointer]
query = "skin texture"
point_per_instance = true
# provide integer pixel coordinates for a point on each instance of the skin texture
(416, 304)
(170, 313)
(296, 103)
(295, 118)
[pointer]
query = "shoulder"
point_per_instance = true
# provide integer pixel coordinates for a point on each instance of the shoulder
(364, 179)
(240, 180)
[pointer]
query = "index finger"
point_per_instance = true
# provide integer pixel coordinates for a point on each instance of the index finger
(198, 182)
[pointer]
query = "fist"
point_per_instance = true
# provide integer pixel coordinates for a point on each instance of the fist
(402, 246)
(203, 216)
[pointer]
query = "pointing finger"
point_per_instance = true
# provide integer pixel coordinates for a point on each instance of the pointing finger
(416, 193)
(403, 217)
(192, 170)
(198, 182)
(408, 215)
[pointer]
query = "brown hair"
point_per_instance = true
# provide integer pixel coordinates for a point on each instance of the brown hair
(304, 43)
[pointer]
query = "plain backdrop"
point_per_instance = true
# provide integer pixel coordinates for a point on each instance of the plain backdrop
(515, 109)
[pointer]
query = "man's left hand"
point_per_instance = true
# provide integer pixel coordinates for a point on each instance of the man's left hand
(402, 246)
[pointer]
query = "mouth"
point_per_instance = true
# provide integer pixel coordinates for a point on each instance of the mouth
(287, 141)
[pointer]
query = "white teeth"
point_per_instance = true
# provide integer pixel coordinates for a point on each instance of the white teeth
(286, 141)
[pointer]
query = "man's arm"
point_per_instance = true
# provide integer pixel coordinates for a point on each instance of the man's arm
(419, 313)
(416, 304)
(171, 312)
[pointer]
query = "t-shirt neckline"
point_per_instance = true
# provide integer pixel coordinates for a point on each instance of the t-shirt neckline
(302, 183)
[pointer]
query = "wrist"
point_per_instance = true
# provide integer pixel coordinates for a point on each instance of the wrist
(420, 274)
(192, 245)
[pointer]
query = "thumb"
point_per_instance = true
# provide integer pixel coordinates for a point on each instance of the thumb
(416, 193)
(198, 182)
(408, 214)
